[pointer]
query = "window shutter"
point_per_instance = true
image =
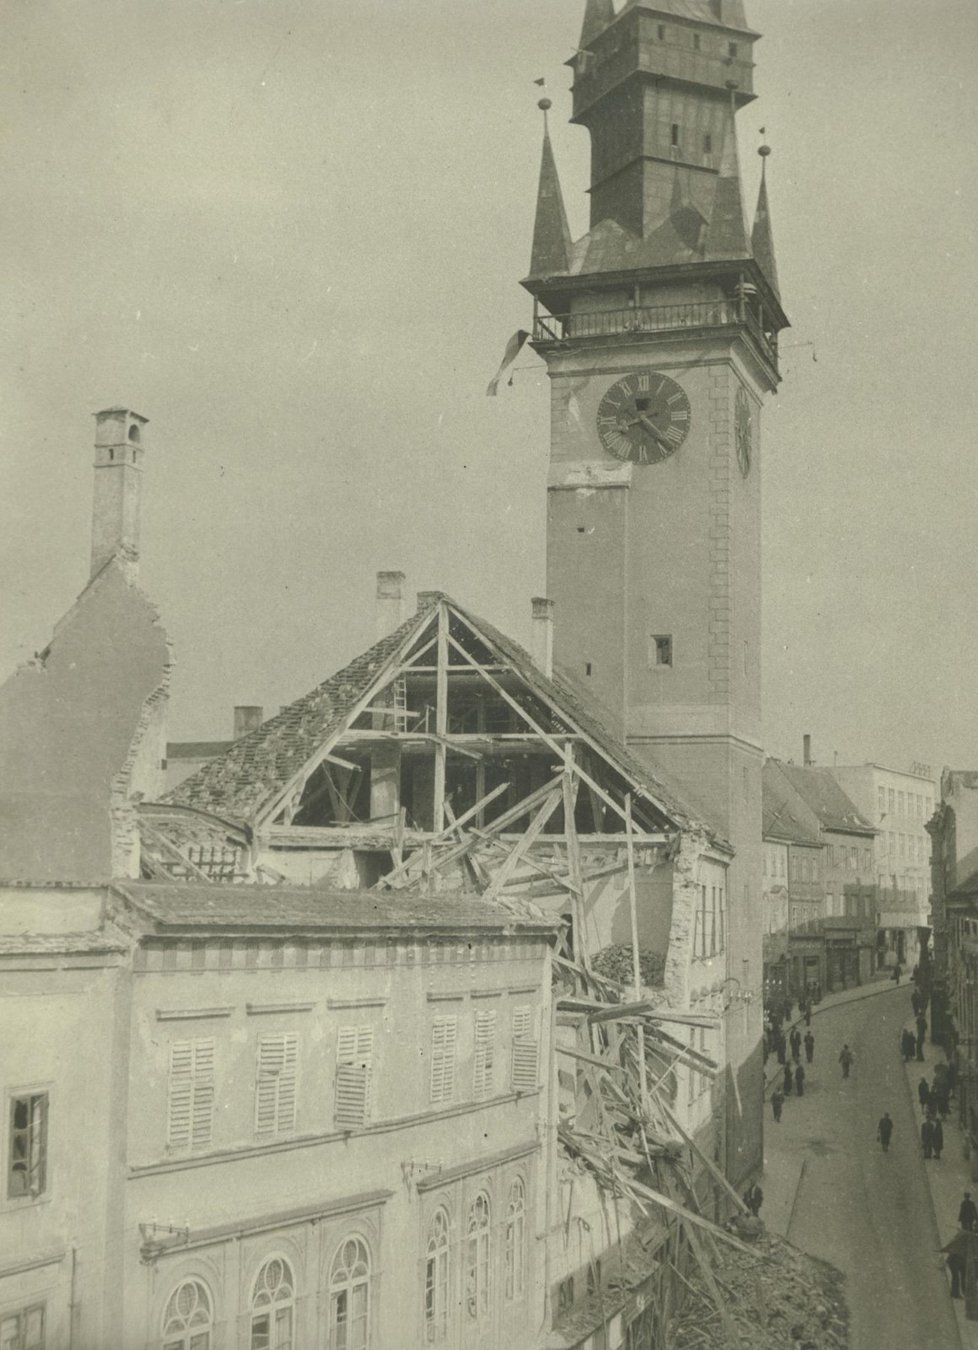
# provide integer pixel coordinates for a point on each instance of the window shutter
(443, 1059)
(181, 1094)
(485, 1044)
(354, 1066)
(203, 1090)
(526, 1051)
(275, 1090)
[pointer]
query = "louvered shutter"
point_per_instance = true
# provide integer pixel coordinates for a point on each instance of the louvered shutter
(275, 1090)
(354, 1066)
(526, 1051)
(202, 1122)
(485, 1044)
(181, 1094)
(443, 1034)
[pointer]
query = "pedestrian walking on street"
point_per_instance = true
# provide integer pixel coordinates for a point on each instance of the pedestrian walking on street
(908, 1045)
(956, 1264)
(897, 972)
(777, 1102)
(884, 1130)
(787, 1080)
(800, 1080)
(809, 1047)
(938, 1139)
(754, 1198)
(780, 1045)
(795, 1044)
(921, 1033)
(939, 1095)
(927, 1138)
(808, 1011)
(923, 1094)
(968, 1214)
(916, 1004)
(846, 1060)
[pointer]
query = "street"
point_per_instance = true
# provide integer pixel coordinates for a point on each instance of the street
(867, 1212)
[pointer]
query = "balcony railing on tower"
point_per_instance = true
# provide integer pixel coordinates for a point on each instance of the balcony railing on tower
(637, 319)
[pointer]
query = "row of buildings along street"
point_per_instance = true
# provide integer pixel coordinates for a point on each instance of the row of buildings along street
(430, 1009)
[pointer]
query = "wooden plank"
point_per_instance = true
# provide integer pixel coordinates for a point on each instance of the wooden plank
(710, 1165)
(636, 967)
(590, 1059)
(447, 834)
(172, 852)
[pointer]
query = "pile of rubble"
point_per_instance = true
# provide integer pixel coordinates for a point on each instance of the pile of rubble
(776, 1299)
(615, 963)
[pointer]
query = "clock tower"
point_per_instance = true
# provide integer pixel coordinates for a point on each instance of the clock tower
(660, 332)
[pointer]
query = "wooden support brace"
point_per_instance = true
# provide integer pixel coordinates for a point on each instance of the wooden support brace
(532, 831)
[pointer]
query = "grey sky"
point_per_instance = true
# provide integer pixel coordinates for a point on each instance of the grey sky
(291, 235)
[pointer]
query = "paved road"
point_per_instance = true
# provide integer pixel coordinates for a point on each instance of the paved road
(867, 1212)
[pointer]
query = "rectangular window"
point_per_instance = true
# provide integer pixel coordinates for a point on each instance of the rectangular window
(526, 1051)
(275, 1083)
(732, 50)
(190, 1115)
(674, 135)
(829, 904)
(354, 1068)
(23, 1330)
(27, 1164)
(891, 800)
(881, 793)
(485, 1051)
(442, 1080)
(660, 32)
(660, 650)
(696, 42)
(900, 804)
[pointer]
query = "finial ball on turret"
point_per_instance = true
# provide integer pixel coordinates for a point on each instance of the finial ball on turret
(764, 151)
(545, 104)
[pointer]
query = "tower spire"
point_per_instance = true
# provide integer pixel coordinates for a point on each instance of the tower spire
(762, 238)
(597, 16)
(726, 235)
(551, 235)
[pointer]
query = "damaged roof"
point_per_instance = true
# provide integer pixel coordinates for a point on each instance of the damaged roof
(243, 780)
(166, 907)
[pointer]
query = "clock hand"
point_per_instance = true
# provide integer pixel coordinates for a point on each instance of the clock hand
(657, 434)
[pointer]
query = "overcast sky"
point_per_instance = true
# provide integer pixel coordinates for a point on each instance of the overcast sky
(291, 236)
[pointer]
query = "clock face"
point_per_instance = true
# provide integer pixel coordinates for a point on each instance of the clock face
(644, 418)
(744, 430)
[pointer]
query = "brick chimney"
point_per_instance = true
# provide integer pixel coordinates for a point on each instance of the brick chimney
(390, 603)
(118, 486)
(543, 634)
(247, 717)
(807, 751)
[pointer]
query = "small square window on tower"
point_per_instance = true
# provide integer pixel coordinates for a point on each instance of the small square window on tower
(696, 42)
(674, 135)
(660, 32)
(732, 50)
(660, 650)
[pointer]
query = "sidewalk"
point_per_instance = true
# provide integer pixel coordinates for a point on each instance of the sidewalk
(880, 984)
(948, 1178)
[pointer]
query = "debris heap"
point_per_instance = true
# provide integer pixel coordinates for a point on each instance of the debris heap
(777, 1299)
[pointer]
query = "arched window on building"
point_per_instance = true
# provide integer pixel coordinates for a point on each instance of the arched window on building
(189, 1317)
(349, 1297)
(273, 1307)
(478, 1245)
(516, 1242)
(436, 1271)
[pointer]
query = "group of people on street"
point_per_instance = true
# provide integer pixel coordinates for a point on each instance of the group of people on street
(956, 1248)
(935, 1103)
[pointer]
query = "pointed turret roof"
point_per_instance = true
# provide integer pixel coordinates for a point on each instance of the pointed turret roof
(726, 236)
(597, 16)
(551, 236)
(729, 13)
(762, 238)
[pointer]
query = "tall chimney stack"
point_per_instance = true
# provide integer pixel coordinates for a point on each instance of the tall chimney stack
(807, 751)
(248, 717)
(390, 602)
(118, 486)
(543, 634)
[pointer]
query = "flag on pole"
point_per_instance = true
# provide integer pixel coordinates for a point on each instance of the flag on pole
(513, 347)
(541, 81)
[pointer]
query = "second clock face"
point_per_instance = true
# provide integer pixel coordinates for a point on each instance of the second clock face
(644, 417)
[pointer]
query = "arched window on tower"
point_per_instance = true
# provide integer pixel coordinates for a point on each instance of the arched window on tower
(134, 434)
(349, 1296)
(188, 1319)
(273, 1307)
(436, 1275)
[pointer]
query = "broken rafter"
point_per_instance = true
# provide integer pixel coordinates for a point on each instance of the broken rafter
(441, 719)
(171, 852)
(516, 853)
(398, 873)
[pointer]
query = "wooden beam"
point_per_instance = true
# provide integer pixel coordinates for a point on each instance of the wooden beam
(447, 834)
(532, 831)
(441, 719)
(636, 964)
(172, 852)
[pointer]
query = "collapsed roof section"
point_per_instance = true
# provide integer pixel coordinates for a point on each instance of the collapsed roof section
(445, 717)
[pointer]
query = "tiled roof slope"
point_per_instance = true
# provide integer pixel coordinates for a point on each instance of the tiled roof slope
(240, 781)
(166, 907)
(780, 821)
(823, 794)
(728, 12)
